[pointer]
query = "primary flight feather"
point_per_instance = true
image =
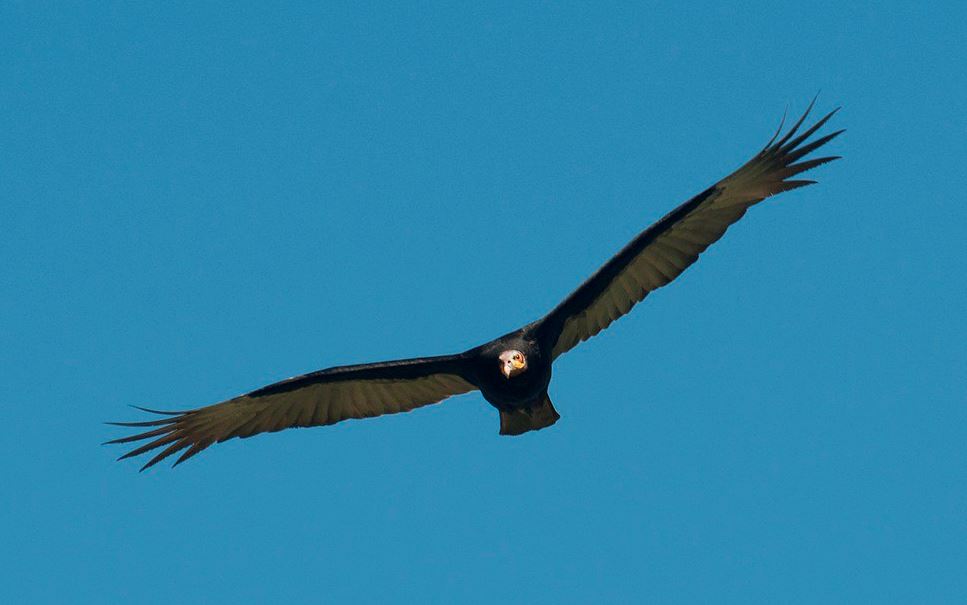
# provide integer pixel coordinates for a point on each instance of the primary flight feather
(513, 371)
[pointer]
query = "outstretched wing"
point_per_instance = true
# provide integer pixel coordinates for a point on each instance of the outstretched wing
(664, 250)
(319, 398)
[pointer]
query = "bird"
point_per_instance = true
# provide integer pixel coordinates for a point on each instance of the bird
(511, 372)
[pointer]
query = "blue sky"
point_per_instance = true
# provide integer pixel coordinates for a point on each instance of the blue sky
(198, 199)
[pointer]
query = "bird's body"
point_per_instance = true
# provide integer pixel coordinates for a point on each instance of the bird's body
(512, 372)
(521, 399)
(515, 391)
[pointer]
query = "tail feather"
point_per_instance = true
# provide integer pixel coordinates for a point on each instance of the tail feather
(521, 420)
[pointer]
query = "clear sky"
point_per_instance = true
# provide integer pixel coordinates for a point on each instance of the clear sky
(197, 199)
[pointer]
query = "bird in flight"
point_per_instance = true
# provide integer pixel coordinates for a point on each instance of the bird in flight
(511, 372)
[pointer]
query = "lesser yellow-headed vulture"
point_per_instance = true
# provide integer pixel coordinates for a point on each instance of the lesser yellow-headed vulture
(513, 371)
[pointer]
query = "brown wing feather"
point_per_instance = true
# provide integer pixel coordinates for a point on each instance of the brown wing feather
(663, 251)
(316, 399)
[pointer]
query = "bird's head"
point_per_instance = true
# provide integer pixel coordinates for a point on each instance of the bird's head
(512, 363)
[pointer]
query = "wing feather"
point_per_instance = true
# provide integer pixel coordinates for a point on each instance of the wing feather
(315, 399)
(664, 250)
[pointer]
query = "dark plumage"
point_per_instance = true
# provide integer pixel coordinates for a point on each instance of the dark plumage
(513, 371)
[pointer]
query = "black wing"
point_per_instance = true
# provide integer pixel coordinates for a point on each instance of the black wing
(319, 398)
(663, 251)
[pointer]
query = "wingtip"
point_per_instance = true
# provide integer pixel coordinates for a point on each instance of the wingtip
(153, 411)
(795, 127)
(180, 459)
(149, 464)
(794, 184)
(161, 422)
(782, 122)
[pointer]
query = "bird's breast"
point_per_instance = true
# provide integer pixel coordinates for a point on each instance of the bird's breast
(518, 390)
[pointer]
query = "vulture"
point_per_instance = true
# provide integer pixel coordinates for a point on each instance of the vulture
(513, 371)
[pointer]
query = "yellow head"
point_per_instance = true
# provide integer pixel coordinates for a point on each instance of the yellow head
(512, 363)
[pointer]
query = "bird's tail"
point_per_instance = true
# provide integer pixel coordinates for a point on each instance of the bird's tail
(522, 420)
